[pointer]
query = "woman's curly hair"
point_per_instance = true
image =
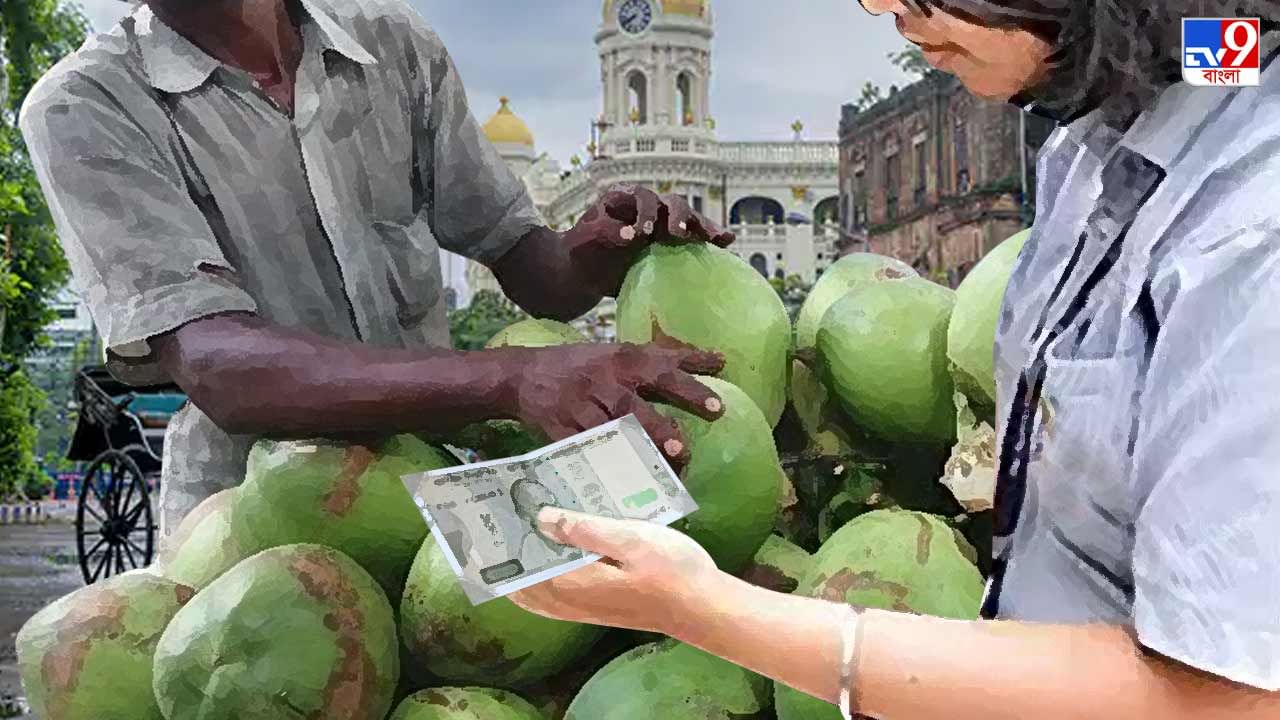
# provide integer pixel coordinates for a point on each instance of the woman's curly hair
(1116, 56)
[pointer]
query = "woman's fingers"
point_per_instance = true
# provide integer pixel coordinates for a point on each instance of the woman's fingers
(604, 536)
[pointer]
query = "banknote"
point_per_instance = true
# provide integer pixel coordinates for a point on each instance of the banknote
(484, 515)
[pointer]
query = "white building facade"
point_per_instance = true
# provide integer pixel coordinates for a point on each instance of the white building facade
(657, 130)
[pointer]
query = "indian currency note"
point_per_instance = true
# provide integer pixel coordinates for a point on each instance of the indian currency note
(484, 515)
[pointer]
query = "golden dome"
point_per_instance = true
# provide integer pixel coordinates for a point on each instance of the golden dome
(505, 128)
(692, 8)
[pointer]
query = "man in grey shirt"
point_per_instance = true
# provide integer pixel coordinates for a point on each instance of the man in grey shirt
(253, 194)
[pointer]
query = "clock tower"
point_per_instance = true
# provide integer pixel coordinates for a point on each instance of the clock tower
(655, 60)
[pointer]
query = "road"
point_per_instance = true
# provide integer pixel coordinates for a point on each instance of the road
(37, 566)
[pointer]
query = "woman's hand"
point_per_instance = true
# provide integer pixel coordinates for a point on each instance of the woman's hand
(652, 579)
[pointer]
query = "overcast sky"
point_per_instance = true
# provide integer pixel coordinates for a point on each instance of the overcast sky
(774, 61)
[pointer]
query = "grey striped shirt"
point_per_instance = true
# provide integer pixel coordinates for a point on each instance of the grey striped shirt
(1153, 494)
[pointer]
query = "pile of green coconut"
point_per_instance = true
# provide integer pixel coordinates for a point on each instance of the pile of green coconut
(856, 444)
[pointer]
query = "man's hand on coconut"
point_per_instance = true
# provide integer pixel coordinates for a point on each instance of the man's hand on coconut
(650, 579)
(604, 244)
(570, 389)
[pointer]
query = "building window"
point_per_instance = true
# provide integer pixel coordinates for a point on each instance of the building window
(962, 155)
(684, 99)
(892, 183)
(638, 95)
(860, 200)
(779, 256)
(697, 203)
(922, 173)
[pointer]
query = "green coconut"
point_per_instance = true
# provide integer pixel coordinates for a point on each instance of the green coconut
(971, 336)
(888, 560)
(734, 475)
(205, 544)
(672, 681)
(827, 430)
(349, 497)
(536, 333)
(704, 296)
(883, 351)
(849, 273)
(465, 704)
(88, 655)
(553, 694)
(779, 565)
(496, 643)
(295, 631)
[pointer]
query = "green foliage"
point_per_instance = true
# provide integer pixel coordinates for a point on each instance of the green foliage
(870, 96)
(1001, 186)
(793, 292)
(475, 325)
(34, 35)
(20, 400)
(910, 60)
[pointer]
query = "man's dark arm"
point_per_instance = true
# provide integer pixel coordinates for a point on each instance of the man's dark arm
(563, 275)
(252, 377)
(538, 275)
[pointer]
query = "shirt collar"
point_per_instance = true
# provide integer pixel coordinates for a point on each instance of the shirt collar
(1164, 132)
(174, 64)
(333, 37)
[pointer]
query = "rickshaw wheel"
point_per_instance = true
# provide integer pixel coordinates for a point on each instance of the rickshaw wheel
(114, 528)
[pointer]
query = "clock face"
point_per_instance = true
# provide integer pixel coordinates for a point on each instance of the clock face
(635, 15)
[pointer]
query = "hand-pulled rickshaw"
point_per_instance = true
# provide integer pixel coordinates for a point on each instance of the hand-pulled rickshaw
(120, 434)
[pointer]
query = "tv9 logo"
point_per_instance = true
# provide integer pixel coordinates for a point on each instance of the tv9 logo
(1221, 51)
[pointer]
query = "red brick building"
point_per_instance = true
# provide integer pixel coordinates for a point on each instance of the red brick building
(932, 175)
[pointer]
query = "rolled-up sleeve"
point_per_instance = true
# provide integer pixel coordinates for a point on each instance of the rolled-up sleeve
(1207, 460)
(141, 253)
(478, 208)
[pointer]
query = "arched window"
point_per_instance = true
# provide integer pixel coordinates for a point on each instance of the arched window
(826, 212)
(684, 99)
(760, 263)
(756, 210)
(638, 97)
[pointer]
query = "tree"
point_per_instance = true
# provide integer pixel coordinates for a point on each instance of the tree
(34, 35)
(870, 96)
(911, 61)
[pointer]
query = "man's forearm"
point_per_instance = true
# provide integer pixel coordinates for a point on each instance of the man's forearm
(256, 378)
(921, 667)
(537, 275)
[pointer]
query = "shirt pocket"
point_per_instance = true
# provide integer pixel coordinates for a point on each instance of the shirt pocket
(1080, 456)
(413, 273)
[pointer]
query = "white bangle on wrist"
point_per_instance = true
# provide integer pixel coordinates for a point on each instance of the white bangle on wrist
(851, 630)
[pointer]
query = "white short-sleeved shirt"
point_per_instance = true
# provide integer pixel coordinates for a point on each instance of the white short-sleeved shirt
(1153, 460)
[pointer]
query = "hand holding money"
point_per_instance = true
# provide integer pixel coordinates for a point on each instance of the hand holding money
(485, 516)
(652, 571)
